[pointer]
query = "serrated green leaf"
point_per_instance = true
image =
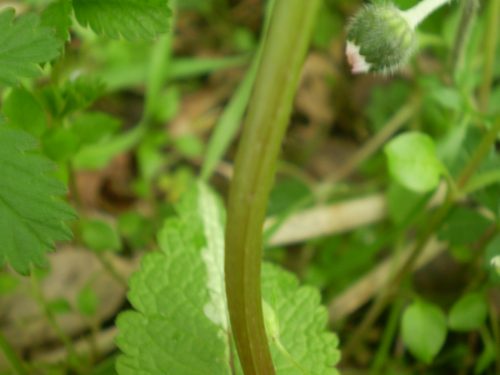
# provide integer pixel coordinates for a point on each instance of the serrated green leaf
(180, 323)
(468, 313)
(424, 330)
(24, 44)
(131, 19)
(58, 17)
(303, 345)
(31, 214)
(413, 162)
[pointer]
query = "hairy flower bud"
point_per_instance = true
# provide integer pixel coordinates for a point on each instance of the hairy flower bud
(379, 39)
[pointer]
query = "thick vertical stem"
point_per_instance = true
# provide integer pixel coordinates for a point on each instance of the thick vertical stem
(269, 111)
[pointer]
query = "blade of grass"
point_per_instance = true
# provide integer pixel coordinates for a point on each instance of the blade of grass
(231, 118)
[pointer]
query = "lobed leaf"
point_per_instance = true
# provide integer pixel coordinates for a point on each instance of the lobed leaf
(180, 324)
(31, 214)
(131, 19)
(24, 44)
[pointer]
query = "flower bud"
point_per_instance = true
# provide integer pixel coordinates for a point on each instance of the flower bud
(379, 39)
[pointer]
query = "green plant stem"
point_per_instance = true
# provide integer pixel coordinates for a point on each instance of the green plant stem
(269, 111)
(395, 123)
(435, 222)
(469, 12)
(111, 269)
(495, 328)
(51, 319)
(229, 122)
(490, 45)
(12, 357)
(478, 156)
(422, 10)
(390, 332)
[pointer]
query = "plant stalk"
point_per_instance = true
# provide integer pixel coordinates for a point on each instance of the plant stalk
(12, 357)
(265, 125)
(421, 11)
(490, 45)
(469, 12)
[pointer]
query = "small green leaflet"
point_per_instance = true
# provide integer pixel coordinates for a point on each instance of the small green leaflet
(24, 44)
(424, 330)
(31, 214)
(180, 322)
(413, 162)
(131, 19)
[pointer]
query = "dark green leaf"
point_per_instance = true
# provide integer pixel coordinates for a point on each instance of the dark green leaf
(468, 313)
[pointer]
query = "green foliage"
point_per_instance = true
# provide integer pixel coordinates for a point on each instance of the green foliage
(189, 309)
(413, 162)
(59, 306)
(8, 283)
(468, 313)
(402, 202)
(492, 252)
(31, 214)
(100, 236)
(58, 17)
(464, 227)
(23, 111)
(424, 330)
(87, 301)
(131, 19)
(24, 43)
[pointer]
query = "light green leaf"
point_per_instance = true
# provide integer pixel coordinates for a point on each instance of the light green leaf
(24, 44)
(131, 19)
(31, 214)
(87, 301)
(424, 330)
(100, 236)
(97, 156)
(94, 127)
(180, 323)
(468, 313)
(413, 162)
(23, 111)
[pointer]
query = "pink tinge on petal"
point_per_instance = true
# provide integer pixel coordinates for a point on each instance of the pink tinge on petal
(356, 60)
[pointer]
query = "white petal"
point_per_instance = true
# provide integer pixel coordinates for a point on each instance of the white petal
(356, 60)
